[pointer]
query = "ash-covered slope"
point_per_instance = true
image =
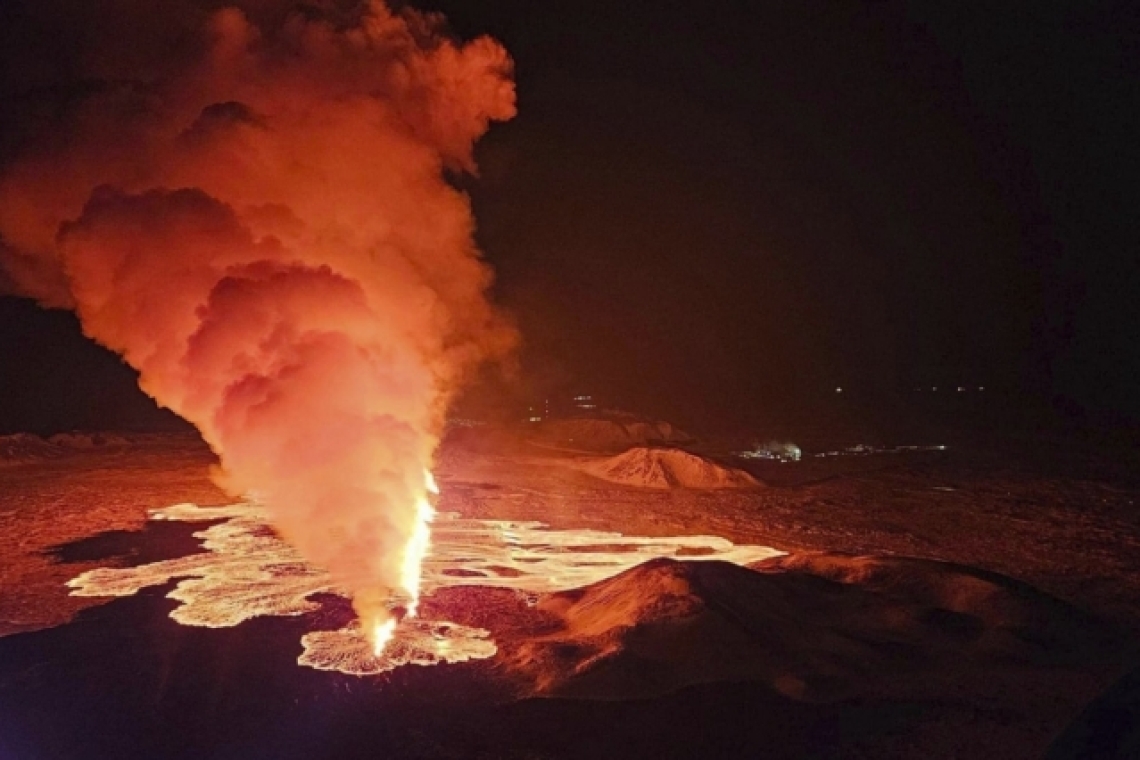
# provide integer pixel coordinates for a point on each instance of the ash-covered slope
(646, 467)
(816, 628)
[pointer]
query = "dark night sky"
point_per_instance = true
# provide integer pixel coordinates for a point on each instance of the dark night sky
(708, 207)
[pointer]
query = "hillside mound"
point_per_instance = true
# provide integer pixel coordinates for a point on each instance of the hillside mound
(646, 467)
(608, 433)
(84, 441)
(26, 447)
(815, 628)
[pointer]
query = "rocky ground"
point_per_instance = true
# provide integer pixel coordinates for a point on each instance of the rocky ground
(822, 654)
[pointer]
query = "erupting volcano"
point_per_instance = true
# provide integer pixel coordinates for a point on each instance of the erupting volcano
(821, 443)
(261, 227)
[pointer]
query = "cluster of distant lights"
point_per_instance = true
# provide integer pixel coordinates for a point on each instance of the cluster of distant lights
(934, 389)
(792, 453)
(580, 402)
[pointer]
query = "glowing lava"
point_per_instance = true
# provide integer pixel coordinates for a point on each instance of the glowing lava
(418, 545)
(411, 571)
(247, 571)
(382, 634)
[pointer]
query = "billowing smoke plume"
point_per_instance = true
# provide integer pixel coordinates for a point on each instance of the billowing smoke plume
(264, 231)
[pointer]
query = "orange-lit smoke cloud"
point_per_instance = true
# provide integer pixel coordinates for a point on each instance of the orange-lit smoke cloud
(265, 233)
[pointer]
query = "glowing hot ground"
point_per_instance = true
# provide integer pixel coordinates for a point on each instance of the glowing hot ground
(246, 571)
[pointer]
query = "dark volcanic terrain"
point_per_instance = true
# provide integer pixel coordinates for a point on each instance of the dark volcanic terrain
(963, 602)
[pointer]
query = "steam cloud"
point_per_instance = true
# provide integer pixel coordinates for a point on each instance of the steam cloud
(264, 231)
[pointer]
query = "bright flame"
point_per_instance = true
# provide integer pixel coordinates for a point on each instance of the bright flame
(382, 634)
(411, 570)
(418, 545)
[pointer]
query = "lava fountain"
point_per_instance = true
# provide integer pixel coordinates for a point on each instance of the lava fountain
(259, 223)
(411, 569)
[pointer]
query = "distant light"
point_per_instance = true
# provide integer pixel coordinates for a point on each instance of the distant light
(981, 387)
(935, 388)
(960, 389)
(839, 390)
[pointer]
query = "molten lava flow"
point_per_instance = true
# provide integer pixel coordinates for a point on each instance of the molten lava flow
(261, 226)
(246, 571)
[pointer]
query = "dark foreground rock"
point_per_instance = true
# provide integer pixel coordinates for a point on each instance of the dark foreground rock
(813, 655)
